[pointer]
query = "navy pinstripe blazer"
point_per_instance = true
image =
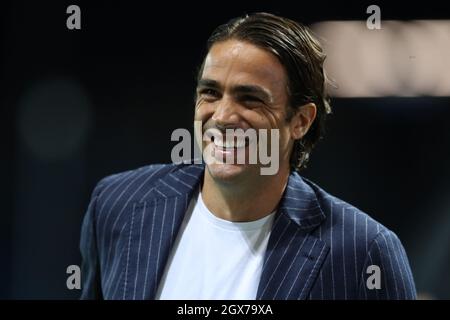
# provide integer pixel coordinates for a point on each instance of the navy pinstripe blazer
(319, 248)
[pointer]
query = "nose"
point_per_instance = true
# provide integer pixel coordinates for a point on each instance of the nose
(226, 113)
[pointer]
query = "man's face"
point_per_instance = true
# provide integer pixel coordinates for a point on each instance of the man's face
(242, 87)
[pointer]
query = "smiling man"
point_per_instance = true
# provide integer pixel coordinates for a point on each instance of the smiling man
(224, 230)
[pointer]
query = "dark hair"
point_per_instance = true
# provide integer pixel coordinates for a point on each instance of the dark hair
(302, 57)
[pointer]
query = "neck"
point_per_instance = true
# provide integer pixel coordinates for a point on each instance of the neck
(246, 200)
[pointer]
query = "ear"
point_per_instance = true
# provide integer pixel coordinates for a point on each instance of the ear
(302, 120)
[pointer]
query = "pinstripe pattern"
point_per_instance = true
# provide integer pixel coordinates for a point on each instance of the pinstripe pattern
(319, 248)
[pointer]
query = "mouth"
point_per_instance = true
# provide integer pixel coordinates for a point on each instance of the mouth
(230, 143)
(231, 150)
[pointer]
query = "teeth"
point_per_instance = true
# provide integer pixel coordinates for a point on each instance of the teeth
(229, 143)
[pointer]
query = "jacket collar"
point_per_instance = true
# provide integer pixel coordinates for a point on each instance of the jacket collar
(299, 202)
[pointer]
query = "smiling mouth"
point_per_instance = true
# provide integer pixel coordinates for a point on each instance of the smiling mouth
(231, 143)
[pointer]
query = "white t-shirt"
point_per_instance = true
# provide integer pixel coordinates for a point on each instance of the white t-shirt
(213, 258)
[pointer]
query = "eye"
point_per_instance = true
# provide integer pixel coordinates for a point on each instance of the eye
(251, 99)
(209, 93)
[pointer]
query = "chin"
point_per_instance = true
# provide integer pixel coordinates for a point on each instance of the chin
(228, 172)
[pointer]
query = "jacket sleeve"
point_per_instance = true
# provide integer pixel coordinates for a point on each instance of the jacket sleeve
(90, 267)
(386, 274)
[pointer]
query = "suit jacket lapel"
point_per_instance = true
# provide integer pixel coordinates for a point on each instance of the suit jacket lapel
(294, 256)
(153, 228)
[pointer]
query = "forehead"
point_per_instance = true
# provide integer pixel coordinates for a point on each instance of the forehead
(243, 63)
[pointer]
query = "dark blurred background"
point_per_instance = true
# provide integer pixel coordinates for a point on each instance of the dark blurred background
(78, 105)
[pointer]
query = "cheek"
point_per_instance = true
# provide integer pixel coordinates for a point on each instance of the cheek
(284, 132)
(271, 120)
(258, 118)
(266, 119)
(285, 138)
(203, 111)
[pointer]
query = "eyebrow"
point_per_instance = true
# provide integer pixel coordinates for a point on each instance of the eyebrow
(208, 83)
(240, 89)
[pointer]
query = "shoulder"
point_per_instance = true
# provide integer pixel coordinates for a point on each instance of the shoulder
(121, 189)
(115, 196)
(345, 223)
(356, 243)
(152, 172)
(132, 185)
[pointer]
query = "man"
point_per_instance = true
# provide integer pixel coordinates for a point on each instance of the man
(224, 230)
